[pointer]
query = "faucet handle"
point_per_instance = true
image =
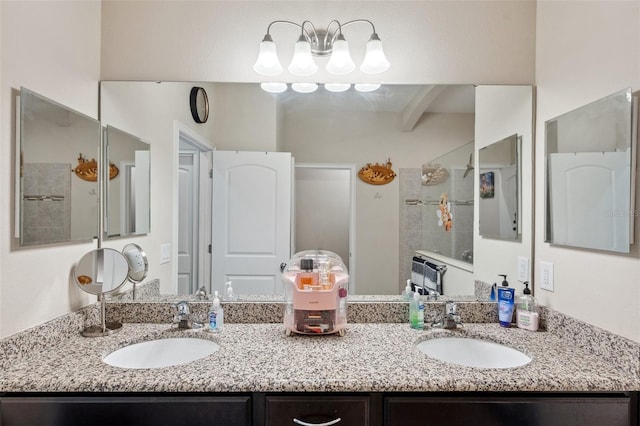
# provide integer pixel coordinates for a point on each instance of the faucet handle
(183, 307)
(450, 308)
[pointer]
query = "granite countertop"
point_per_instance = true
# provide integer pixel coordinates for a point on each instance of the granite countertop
(372, 357)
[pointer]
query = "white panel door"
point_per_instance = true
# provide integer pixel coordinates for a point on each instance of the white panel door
(594, 179)
(187, 225)
(251, 220)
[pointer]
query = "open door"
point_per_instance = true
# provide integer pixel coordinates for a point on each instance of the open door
(251, 220)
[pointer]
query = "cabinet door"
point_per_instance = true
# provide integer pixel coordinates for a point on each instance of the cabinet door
(523, 411)
(317, 410)
(138, 411)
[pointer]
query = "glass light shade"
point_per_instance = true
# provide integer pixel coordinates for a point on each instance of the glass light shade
(340, 61)
(374, 60)
(302, 62)
(273, 87)
(304, 87)
(267, 62)
(337, 87)
(366, 87)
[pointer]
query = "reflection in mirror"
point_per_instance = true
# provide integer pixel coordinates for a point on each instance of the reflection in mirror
(138, 263)
(499, 189)
(407, 123)
(127, 207)
(447, 200)
(589, 175)
(101, 271)
(58, 201)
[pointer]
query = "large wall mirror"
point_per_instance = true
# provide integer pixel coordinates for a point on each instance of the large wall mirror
(127, 188)
(590, 174)
(408, 124)
(499, 181)
(57, 173)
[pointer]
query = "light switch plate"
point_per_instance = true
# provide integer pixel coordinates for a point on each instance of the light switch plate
(523, 268)
(165, 253)
(546, 276)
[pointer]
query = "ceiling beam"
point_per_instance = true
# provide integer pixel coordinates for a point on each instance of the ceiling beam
(418, 105)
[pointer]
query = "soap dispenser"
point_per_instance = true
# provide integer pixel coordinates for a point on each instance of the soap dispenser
(416, 312)
(407, 293)
(505, 283)
(216, 315)
(527, 316)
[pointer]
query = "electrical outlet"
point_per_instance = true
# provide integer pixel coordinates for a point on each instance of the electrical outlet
(523, 269)
(136, 261)
(546, 276)
(165, 253)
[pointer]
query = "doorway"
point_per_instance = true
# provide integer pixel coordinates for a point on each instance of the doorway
(324, 211)
(194, 212)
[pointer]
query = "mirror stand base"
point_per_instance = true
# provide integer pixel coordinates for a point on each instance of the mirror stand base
(99, 331)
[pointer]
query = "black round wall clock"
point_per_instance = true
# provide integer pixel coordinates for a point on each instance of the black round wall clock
(199, 103)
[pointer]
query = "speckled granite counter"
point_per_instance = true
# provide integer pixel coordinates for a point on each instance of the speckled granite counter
(370, 358)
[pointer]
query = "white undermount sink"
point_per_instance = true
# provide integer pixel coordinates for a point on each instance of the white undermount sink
(473, 352)
(161, 353)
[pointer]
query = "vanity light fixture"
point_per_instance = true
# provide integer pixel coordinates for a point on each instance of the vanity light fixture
(274, 87)
(337, 87)
(321, 42)
(366, 87)
(304, 87)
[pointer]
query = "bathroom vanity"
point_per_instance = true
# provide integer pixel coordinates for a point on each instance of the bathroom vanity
(374, 375)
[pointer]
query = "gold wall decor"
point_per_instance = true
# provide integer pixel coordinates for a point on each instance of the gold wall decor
(377, 174)
(88, 169)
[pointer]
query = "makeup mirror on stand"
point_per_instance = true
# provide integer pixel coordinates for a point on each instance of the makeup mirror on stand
(99, 272)
(138, 264)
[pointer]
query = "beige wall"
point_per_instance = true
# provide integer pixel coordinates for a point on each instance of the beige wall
(150, 110)
(586, 50)
(502, 111)
(52, 48)
(490, 42)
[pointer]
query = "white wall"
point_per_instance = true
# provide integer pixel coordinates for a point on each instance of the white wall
(502, 111)
(586, 50)
(435, 42)
(52, 48)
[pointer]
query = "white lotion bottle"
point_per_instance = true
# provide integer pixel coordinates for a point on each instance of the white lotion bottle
(216, 315)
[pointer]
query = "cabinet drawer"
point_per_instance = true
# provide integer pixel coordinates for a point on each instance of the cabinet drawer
(351, 410)
(524, 411)
(139, 411)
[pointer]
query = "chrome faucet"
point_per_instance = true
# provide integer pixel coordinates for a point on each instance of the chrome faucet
(201, 294)
(451, 320)
(182, 319)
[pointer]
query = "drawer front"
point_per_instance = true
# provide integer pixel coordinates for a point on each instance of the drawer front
(139, 411)
(285, 410)
(533, 411)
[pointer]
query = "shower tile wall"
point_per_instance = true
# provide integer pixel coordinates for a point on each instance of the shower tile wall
(410, 232)
(46, 221)
(419, 227)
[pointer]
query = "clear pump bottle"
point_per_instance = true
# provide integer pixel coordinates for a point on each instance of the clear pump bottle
(527, 316)
(216, 315)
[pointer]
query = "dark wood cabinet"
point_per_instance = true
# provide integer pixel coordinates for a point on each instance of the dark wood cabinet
(353, 409)
(315, 409)
(125, 410)
(523, 410)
